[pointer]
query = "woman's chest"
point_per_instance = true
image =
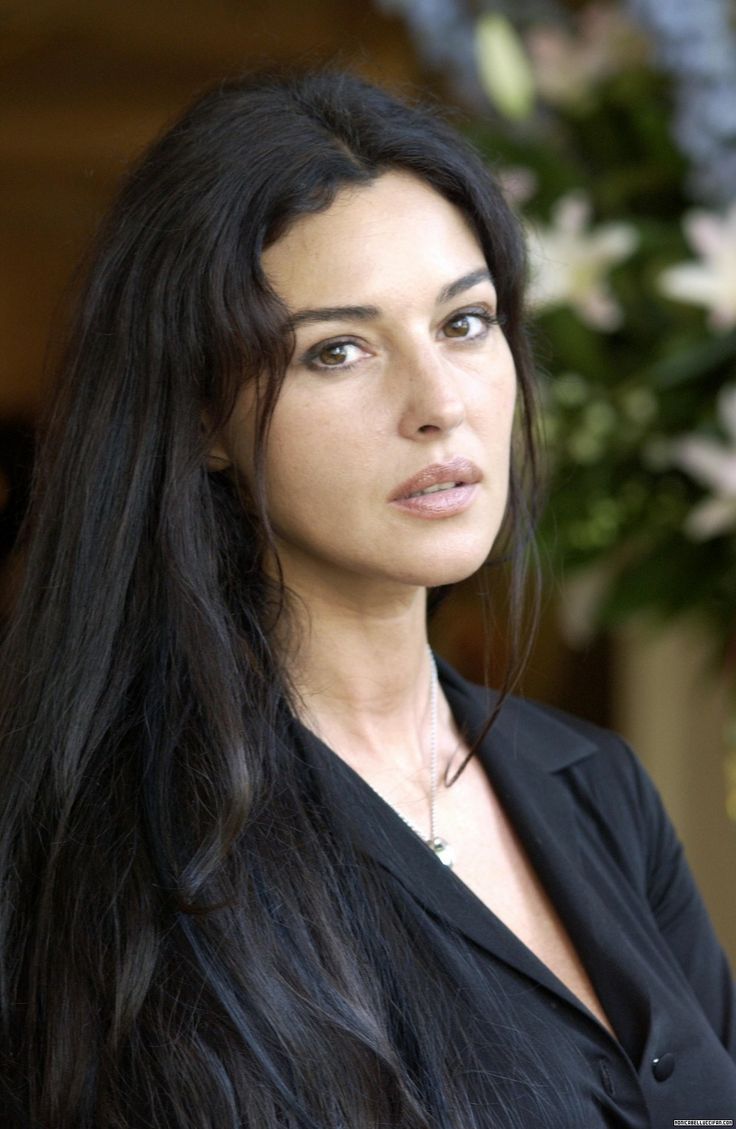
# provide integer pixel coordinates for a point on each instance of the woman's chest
(491, 861)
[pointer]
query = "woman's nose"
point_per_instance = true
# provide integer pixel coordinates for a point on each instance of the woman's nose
(432, 400)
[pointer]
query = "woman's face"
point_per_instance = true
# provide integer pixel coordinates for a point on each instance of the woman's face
(400, 370)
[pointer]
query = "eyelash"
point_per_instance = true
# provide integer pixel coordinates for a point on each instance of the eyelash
(310, 358)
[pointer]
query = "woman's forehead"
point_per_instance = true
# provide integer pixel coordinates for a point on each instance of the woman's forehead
(396, 232)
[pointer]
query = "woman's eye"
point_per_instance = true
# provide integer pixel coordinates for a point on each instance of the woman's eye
(470, 324)
(336, 354)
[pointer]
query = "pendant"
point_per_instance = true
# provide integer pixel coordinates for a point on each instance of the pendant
(442, 849)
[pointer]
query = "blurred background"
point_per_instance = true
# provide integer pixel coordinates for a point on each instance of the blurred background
(613, 129)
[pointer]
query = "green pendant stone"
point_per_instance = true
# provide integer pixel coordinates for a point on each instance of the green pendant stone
(442, 849)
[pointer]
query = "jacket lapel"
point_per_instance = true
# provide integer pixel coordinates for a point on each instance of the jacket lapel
(526, 762)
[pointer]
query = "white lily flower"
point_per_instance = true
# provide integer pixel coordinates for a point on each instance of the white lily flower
(569, 262)
(709, 281)
(518, 184)
(713, 464)
(503, 67)
(568, 67)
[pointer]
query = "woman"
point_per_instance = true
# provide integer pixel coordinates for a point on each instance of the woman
(262, 866)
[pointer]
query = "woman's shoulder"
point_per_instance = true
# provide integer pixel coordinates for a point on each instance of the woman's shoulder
(595, 765)
(553, 738)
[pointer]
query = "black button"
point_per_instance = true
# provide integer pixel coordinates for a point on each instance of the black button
(663, 1066)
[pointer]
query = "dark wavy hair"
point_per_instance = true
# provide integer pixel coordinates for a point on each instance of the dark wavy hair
(187, 938)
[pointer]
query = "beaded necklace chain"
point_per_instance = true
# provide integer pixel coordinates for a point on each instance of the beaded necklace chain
(440, 847)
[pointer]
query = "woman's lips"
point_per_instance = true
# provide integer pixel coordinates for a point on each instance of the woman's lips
(458, 478)
(443, 503)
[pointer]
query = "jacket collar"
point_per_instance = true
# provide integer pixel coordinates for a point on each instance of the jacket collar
(525, 730)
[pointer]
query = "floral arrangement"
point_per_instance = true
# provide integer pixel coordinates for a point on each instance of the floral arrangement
(613, 127)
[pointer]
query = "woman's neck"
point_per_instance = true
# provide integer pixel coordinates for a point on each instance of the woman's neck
(362, 673)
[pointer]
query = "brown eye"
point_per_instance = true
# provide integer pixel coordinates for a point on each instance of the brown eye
(458, 327)
(340, 355)
(335, 354)
(470, 325)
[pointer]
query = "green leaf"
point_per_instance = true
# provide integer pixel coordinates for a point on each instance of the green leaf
(693, 363)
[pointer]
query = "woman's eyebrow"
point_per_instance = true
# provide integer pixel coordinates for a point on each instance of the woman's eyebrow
(366, 313)
(482, 274)
(333, 313)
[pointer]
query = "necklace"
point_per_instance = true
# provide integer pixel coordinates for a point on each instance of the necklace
(440, 847)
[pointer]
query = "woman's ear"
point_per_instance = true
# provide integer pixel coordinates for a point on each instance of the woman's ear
(217, 455)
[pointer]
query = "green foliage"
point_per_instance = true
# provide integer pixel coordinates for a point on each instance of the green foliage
(617, 398)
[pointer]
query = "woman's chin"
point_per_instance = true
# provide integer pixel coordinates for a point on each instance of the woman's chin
(438, 572)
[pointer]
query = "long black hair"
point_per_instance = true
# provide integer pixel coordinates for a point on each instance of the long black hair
(186, 936)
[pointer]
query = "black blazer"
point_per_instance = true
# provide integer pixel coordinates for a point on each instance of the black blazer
(605, 851)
